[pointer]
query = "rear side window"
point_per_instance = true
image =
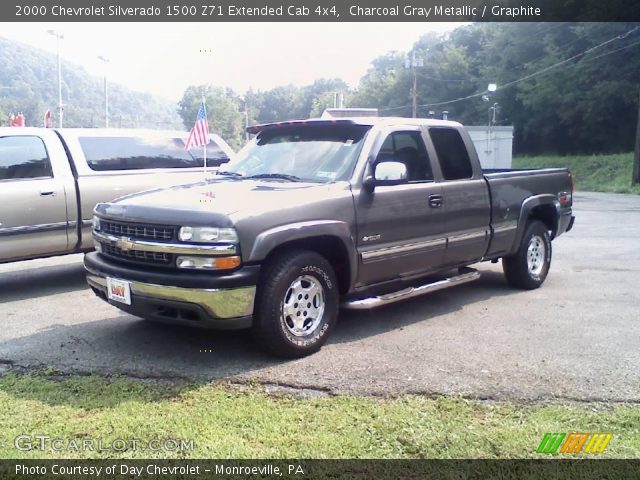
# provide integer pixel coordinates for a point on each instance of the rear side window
(136, 153)
(23, 157)
(452, 153)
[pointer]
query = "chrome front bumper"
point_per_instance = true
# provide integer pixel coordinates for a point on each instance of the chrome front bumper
(229, 308)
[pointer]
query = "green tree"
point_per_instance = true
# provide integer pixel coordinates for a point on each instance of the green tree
(290, 102)
(282, 103)
(383, 86)
(321, 94)
(586, 105)
(223, 111)
(321, 102)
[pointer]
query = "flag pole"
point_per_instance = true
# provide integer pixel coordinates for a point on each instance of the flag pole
(204, 147)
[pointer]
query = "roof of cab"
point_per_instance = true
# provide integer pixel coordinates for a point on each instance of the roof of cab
(366, 121)
(120, 132)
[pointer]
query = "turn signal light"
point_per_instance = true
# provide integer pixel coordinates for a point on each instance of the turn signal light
(227, 263)
(207, 263)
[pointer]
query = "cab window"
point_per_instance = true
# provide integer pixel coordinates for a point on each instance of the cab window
(23, 157)
(452, 153)
(144, 152)
(407, 148)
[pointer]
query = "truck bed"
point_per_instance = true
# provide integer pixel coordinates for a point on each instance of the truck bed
(509, 189)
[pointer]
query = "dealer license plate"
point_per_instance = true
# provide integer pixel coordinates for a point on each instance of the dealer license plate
(119, 291)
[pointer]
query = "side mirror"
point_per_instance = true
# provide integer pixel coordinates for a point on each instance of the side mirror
(387, 172)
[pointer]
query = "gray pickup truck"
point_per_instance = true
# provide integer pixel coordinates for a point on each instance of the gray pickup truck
(50, 180)
(318, 214)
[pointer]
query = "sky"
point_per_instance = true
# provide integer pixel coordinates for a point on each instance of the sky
(165, 58)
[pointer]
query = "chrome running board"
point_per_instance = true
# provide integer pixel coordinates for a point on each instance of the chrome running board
(466, 275)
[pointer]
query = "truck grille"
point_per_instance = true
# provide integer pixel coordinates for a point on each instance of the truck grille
(161, 233)
(155, 258)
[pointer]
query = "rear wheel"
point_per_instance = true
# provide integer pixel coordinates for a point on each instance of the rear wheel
(529, 266)
(296, 304)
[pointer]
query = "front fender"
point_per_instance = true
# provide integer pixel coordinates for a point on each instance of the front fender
(268, 240)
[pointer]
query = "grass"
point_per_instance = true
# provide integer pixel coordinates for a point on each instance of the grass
(594, 173)
(225, 422)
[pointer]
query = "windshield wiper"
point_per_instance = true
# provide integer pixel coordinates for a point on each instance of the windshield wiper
(284, 176)
(229, 174)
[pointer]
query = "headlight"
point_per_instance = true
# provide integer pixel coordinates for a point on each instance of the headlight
(96, 223)
(207, 263)
(207, 234)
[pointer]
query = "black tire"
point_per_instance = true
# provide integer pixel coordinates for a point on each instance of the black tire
(525, 273)
(280, 325)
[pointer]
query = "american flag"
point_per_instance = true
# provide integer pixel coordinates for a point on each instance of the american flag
(199, 134)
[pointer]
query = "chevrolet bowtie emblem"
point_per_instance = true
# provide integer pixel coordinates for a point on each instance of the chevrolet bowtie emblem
(124, 244)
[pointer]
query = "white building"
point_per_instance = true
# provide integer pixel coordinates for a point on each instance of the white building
(494, 146)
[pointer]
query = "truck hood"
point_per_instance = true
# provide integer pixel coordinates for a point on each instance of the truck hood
(213, 202)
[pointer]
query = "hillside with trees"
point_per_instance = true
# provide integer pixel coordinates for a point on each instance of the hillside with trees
(565, 87)
(28, 84)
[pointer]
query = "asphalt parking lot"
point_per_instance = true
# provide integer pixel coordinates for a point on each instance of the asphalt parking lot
(577, 337)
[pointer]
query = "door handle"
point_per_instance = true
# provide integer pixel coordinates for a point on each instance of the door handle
(435, 201)
(48, 193)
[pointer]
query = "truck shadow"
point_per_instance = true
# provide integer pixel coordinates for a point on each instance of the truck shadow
(38, 281)
(355, 325)
(188, 358)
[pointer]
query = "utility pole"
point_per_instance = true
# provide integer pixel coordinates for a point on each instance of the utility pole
(414, 94)
(60, 106)
(105, 60)
(246, 118)
(635, 180)
(413, 63)
(491, 88)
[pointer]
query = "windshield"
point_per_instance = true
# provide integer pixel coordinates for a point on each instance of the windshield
(315, 153)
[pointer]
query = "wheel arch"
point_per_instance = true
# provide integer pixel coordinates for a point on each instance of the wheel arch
(538, 207)
(331, 239)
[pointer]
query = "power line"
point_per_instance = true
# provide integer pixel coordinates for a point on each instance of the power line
(614, 51)
(564, 45)
(555, 65)
(534, 74)
(445, 80)
(461, 80)
(549, 30)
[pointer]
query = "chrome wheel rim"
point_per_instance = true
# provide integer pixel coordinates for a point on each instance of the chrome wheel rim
(536, 252)
(303, 306)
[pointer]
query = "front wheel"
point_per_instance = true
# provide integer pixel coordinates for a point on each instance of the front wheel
(296, 304)
(529, 266)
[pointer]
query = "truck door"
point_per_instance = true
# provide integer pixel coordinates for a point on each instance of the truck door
(401, 228)
(33, 208)
(465, 197)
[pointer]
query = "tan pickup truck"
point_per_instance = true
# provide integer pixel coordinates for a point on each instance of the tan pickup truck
(50, 180)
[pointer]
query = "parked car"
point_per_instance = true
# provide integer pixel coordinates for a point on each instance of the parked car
(316, 214)
(50, 180)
